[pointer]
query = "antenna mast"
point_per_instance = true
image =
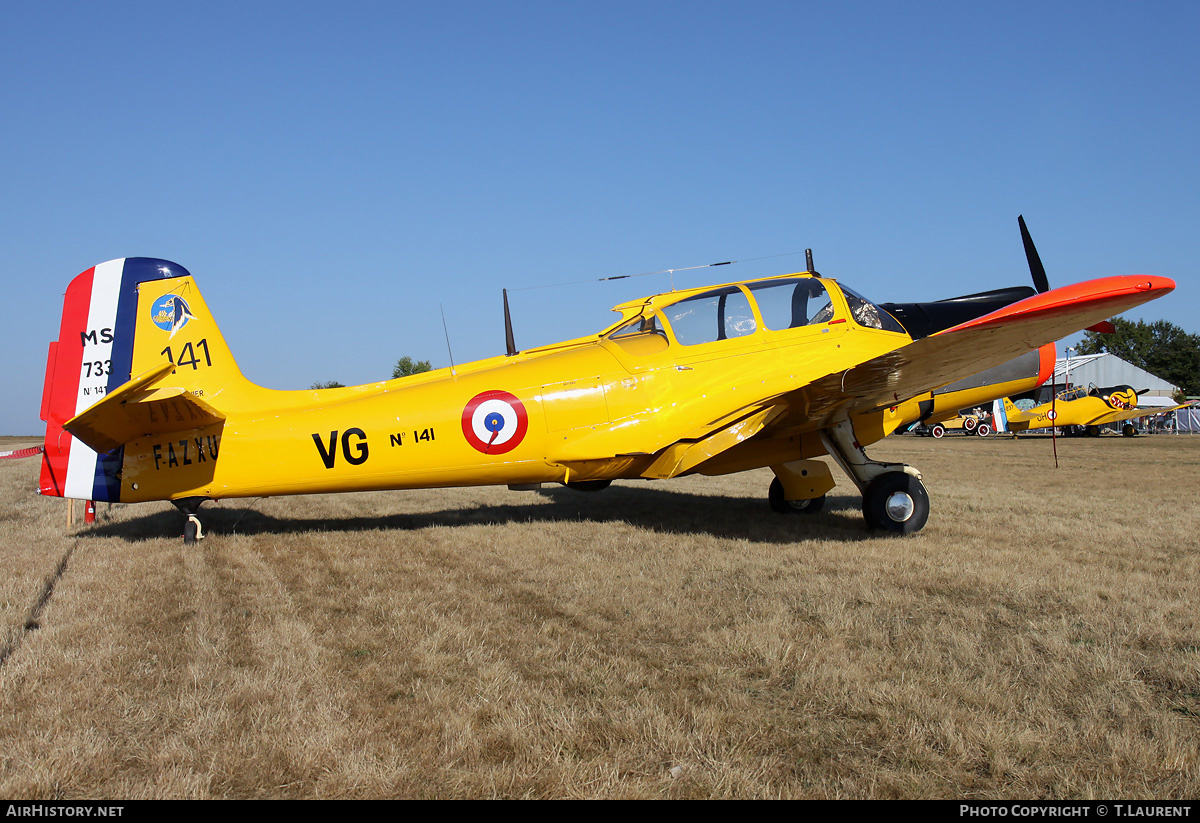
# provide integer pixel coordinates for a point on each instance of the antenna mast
(447, 331)
(509, 342)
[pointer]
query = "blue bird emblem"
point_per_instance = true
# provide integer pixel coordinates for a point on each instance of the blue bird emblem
(171, 313)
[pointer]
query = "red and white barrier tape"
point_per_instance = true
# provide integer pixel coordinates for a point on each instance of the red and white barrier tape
(32, 452)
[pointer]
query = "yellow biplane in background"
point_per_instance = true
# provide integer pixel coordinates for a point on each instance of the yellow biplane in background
(1083, 411)
(144, 401)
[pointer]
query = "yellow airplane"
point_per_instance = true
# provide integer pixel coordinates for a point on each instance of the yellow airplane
(144, 401)
(1083, 410)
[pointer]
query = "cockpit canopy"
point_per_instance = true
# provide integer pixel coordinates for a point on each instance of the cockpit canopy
(739, 310)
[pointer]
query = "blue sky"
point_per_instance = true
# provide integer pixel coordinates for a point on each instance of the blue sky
(335, 175)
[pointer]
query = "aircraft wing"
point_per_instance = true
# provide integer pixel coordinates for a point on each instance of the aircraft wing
(1133, 414)
(919, 367)
(969, 348)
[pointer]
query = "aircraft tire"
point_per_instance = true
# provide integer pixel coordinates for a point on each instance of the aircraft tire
(588, 485)
(896, 502)
(1093, 431)
(938, 431)
(783, 506)
(984, 430)
(1128, 430)
(190, 525)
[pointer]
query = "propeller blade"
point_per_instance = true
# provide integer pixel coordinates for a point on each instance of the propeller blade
(1035, 263)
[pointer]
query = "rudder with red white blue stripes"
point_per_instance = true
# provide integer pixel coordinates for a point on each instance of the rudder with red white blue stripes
(92, 357)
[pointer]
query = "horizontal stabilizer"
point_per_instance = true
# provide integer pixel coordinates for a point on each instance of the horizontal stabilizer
(141, 407)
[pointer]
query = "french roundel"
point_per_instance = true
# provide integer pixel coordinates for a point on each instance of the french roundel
(495, 422)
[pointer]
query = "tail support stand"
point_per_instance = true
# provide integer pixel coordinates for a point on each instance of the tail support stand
(190, 506)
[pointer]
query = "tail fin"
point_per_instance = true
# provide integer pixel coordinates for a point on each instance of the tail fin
(1012, 413)
(122, 318)
(174, 326)
(1000, 410)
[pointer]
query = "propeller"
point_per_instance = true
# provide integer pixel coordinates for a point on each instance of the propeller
(1040, 281)
(1035, 263)
(924, 319)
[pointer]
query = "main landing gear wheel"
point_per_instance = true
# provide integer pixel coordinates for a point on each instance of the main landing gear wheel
(783, 506)
(896, 502)
(1128, 430)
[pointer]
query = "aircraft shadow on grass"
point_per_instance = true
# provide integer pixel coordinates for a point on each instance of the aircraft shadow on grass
(743, 518)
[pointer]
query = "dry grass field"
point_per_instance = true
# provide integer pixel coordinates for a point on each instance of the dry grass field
(1039, 639)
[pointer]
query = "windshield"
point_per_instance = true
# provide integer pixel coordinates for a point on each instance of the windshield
(867, 314)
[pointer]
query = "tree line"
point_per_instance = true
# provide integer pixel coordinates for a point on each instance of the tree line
(404, 367)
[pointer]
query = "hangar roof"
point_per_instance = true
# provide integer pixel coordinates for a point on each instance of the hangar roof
(1107, 369)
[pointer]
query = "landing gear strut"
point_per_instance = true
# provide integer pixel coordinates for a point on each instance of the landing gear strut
(894, 499)
(189, 507)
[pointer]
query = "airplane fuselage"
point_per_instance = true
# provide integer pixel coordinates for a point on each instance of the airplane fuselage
(1078, 408)
(627, 400)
